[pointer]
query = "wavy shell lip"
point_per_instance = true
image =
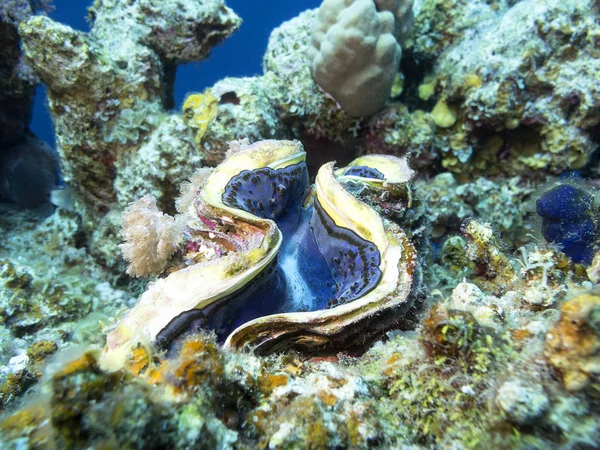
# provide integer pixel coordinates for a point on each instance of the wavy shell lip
(270, 153)
(393, 170)
(201, 284)
(365, 306)
(336, 328)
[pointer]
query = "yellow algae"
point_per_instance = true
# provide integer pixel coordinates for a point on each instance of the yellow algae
(398, 85)
(268, 382)
(444, 116)
(427, 89)
(537, 161)
(138, 360)
(511, 123)
(472, 80)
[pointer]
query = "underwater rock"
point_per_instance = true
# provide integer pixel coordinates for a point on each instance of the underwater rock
(28, 167)
(429, 386)
(439, 24)
(28, 306)
(494, 271)
(108, 88)
(546, 275)
(20, 379)
(573, 345)
(526, 80)
(498, 202)
(159, 166)
(17, 80)
(398, 131)
(522, 404)
(52, 292)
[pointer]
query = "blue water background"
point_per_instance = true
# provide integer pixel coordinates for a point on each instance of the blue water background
(239, 56)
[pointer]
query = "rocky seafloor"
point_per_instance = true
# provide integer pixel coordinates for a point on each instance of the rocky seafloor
(493, 104)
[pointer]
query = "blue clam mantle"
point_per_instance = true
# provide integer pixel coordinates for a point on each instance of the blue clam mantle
(279, 264)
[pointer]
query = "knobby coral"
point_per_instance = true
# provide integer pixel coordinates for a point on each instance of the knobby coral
(356, 51)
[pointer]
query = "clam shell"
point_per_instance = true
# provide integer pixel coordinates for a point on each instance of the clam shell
(352, 324)
(379, 301)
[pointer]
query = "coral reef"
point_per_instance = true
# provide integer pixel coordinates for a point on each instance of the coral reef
(109, 88)
(52, 294)
(159, 165)
(235, 108)
(432, 387)
(108, 92)
(472, 316)
(309, 111)
(519, 80)
(500, 203)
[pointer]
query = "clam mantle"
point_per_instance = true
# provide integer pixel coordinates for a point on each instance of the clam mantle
(268, 262)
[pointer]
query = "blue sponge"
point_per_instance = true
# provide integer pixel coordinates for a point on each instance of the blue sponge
(569, 221)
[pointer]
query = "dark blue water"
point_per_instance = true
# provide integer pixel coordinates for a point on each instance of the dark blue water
(240, 55)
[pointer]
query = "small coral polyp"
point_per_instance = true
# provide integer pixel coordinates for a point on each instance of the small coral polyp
(274, 264)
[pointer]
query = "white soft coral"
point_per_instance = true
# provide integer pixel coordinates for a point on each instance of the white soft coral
(151, 237)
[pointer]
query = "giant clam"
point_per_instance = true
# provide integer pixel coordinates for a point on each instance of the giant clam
(274, 264)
